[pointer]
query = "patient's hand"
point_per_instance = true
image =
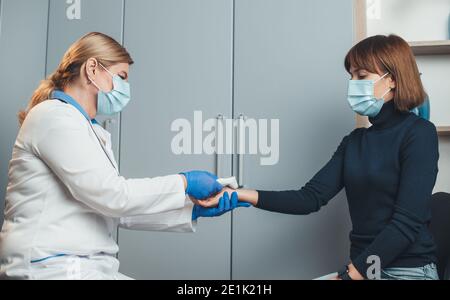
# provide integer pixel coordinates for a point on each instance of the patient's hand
(214, 201)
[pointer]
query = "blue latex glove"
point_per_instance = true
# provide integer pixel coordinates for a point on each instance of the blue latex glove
(202, 185)
(225, 205)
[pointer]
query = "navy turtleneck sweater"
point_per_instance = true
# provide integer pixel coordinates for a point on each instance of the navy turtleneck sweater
(388, 172)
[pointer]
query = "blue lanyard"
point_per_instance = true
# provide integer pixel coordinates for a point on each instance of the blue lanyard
(61, 96)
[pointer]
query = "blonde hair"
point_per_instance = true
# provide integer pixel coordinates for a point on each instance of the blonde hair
(96, 45)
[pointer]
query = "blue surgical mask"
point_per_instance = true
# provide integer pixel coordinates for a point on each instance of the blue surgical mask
(361, 96)
(113, 102)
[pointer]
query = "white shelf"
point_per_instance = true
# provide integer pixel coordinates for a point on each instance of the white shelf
(431, 47)
(443, 130)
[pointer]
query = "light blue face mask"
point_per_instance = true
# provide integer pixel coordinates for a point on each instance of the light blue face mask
(362, 99)
(113, 102)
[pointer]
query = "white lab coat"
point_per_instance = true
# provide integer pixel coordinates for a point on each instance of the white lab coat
(65, 199)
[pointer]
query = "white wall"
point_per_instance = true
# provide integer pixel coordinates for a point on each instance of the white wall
(419, 20)
(436, 78)
(414, 20)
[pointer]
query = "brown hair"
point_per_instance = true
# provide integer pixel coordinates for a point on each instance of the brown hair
(97, 45)
(382, 54)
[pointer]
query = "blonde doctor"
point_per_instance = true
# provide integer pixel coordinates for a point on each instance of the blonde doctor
(65, 196)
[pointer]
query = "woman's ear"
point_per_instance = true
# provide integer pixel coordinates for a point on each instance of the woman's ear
(91, 68)
(392, 83)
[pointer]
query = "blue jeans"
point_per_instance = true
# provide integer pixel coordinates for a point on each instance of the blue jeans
(429, 272)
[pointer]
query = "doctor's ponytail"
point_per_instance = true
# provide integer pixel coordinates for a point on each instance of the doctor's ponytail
(93, 45)
(42, 93)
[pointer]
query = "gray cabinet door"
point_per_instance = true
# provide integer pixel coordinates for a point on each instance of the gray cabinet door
(289, 66)
(183, 54)
(23, 29)
(67, 23)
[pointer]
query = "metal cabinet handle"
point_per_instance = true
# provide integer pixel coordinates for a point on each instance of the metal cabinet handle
(219, 143)
(241, 150)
